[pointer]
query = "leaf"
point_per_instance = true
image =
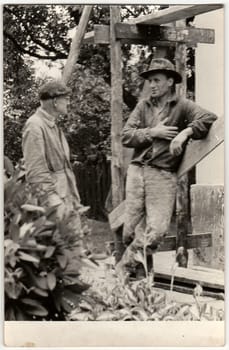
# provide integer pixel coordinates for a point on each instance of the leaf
(66, 305)
(14, 232)
(184, 310)
(49, 252)
(81, 316)
(10, 314)
(40, 292)
(139, 257)
(31, 302)
(41, 282)
(78, 287)
(11, 248)
(88, 263)
(25, 228)
(71, 297)
(106, 316)
(37, 310)
(62, 260)
(13, 289)
(7, 242)
(27, 257)
(85, 306)
(51, 280)
(32, 208)
(140, 312)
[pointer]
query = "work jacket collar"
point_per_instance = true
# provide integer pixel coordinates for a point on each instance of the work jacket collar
(173, 99)
(48, 118)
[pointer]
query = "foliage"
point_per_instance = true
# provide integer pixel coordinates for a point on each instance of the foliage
(43, 258)
(110, 300)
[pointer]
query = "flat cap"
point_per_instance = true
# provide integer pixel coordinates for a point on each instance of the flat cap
(54, 88)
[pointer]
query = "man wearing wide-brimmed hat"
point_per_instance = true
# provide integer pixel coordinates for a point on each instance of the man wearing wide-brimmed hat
(46, 154)
(158, 129)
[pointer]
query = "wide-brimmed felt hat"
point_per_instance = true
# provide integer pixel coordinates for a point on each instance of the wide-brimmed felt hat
(162, 65)
(52, 89)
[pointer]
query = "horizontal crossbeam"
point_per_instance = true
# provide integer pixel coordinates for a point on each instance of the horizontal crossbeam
(201, 240)
(154, 35)
(140, 34)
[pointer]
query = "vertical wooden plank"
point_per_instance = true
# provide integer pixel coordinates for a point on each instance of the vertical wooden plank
(117, 174)
(207, 208)
(76, 44)
(116, 110)
(182, 189)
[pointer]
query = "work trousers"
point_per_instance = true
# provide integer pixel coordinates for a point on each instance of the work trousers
(150, 197)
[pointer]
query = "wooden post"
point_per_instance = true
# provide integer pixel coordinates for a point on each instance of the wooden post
(117, 167)
(116, 110)
(182, 189)
(76, 44)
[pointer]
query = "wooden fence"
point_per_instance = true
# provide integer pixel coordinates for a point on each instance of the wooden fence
(94, 180)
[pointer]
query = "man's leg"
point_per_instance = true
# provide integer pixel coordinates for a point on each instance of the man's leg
(135, 204)
(160, 192)
(161, 188)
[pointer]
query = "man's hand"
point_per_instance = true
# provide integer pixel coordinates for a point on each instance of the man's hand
(176, 145)
(163, 131)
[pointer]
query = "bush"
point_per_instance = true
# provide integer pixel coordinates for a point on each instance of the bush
(43, 258)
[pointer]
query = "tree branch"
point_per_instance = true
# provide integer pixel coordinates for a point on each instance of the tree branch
(50, 48)
(30, 53)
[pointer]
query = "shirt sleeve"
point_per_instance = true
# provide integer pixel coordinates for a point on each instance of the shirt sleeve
(37, 171)
(199, 119)
(133, 135)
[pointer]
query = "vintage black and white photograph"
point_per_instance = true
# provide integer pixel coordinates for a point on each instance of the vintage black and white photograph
(113, 127)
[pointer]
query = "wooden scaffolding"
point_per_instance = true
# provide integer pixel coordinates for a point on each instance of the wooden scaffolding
(161, 29)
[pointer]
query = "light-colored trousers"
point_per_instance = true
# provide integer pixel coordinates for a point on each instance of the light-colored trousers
(150, 197)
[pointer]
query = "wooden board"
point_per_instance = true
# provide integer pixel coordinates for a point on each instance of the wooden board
(199, 149)
(117, 175)
(210, 279)
(76, 44)
(175, 13)
(154, 34)
(151, 33)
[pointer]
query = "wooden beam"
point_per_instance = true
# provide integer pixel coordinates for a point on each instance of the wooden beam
(187, 289)
(116, 111)
(182, 196)
(201, 240)
(210, 279)
(174, 13)
(117, 173)
(153, 35)
(76, 44)
(149, 34)
(196, 150)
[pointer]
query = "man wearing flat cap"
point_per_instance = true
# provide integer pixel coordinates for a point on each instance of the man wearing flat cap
(158, 129)
(46, 153)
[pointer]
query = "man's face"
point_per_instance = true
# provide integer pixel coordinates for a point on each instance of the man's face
(160, 84)
(61, 104)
